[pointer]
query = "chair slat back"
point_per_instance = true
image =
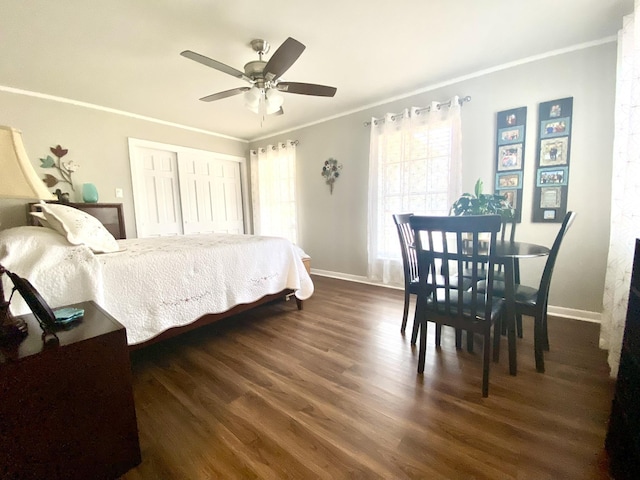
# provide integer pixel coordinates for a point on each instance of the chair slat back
(510, 226)
(545, 281)
(448, 243)
(409, 258)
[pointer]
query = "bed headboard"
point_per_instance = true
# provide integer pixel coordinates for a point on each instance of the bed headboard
(109, 214)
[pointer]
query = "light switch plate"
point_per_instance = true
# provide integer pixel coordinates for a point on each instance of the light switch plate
(119, 193)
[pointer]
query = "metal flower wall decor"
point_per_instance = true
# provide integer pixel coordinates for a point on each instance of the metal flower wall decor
(65, 169)
(331, 171)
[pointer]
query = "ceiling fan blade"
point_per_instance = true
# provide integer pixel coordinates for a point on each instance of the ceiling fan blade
(307, 89)
(283, 58)
(225, 94)
(278, 112)
(209, 62)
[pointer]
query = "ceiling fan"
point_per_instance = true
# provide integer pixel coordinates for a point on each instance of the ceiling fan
(263, 96)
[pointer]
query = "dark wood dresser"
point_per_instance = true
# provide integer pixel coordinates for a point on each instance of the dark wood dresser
(67, 411)
(623, 436)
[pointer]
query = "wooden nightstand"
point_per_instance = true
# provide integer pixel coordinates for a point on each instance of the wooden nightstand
(67, 411)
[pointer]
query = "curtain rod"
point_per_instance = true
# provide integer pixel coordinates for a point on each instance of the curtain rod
(275, 147)
(462, 100)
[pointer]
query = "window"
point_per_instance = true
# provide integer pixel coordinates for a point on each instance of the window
(414, 167)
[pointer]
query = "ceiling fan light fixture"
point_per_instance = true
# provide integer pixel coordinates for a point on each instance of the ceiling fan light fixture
(253, 108)
(273, 101)
(275, 97)
(252, 97)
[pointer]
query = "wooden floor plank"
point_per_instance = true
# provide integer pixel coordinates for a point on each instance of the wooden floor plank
(332, 392)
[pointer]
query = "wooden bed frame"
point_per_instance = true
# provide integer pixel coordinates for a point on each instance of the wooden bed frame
(214, 317)
(200, 322)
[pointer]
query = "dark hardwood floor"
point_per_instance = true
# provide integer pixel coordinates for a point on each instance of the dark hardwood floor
(332, 392)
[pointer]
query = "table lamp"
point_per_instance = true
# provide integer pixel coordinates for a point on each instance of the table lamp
(18, 179)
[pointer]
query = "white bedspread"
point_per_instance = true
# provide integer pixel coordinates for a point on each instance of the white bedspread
(155, 283)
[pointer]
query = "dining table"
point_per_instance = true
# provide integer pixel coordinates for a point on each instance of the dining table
(508, 254)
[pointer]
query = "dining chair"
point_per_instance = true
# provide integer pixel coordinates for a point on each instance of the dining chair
(507, 234)
(409, 261)
(506, 225)
(410, 265)
(533, 301)
(443, 245)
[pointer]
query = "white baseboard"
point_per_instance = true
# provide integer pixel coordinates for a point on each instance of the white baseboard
(564, 312)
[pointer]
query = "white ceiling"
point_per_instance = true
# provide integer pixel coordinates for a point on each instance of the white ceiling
(125, 54)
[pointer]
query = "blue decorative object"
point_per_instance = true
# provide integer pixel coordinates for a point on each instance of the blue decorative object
(89, 193)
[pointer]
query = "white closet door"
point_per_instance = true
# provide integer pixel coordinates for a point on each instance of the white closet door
(156, 192)
(211, 193)
(184, 190)
(229, 202)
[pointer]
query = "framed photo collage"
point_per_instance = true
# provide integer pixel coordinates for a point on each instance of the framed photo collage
(511, 132)
(552, 159)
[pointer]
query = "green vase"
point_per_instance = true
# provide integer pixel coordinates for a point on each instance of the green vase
(89, 193)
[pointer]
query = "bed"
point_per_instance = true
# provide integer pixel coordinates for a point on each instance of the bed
(156, 287)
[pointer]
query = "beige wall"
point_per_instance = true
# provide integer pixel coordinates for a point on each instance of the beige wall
(97, 141)
(334, 227)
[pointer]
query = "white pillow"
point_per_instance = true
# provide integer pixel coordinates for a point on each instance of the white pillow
(79, 227)
(41, 219)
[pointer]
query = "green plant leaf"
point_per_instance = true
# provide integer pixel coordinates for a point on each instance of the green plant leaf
(482, 204)
(48, 162)
(478, 188)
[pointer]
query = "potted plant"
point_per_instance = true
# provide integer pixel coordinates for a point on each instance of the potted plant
(480, 203)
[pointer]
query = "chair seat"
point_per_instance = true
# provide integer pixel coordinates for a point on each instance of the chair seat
(523, 295)
(467, 298)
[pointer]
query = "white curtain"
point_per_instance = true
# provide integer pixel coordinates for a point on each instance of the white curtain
(415, 164)
(625, 216)
(273, 191)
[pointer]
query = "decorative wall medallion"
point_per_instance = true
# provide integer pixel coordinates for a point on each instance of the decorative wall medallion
(331, 171)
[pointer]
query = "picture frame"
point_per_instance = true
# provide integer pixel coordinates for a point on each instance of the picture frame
(553, 160)
(554, 151)
(555, 110)
(511, 134)
(510, 157)
(510, 152)
(553, 176)
(550, 197)
(511, 195)
(555, 127)
(509, 181)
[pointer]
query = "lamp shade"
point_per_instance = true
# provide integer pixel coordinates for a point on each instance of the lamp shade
(18, 179)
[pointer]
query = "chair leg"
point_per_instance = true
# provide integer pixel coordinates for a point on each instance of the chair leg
(486, 349)
(416, 322)
(519, 325)
(414, 331)
(497, 328)
(438, 334)
(545, 332)
(469, 341)
(423, 346)
(538, 342)
(405, 312)
(458, 339)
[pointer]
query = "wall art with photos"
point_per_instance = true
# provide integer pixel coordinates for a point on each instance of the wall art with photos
(552, 161)
(511, 128)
